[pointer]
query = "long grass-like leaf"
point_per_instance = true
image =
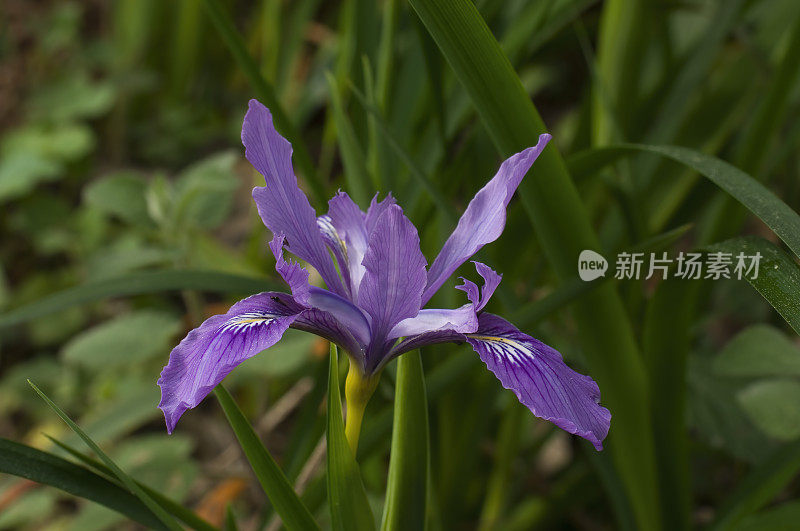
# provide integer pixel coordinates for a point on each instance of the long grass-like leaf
(564, 230)
(406, 495)
(166, 518)
(294, 514)
(346, 496)
(183, 513)
(29, 463)
(778, 279)
(265, 92)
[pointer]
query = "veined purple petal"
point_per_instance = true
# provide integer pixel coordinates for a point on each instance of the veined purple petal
(344, 311)
(491, 279)
(349, 223)
(325, 325)
(391, 289)
(462, 320)
(292, 273)
(283, 207)
(337, 246)
(484, 219)
(541, 380)
(376, 210)
(211, 351)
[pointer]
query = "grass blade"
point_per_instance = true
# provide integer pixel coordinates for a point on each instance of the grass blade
(778, 278)
(346, 496)
(167, 519)
(265, 92)
(406, 495)
(183, 513)
(294, 514)
(777, 215)
(564, 230)
(29, 463)
(135, 284)
(355, 166)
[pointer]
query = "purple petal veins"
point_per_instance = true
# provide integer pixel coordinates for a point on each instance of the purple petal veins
(373, 307)
(283, 207)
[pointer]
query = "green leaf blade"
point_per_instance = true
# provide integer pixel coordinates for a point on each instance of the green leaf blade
(346, 496)
(26, 462)
(406, 491)
(294, 514)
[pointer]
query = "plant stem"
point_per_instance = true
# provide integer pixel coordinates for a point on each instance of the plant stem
(358, 389)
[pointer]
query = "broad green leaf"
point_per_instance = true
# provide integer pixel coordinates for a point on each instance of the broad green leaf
(123, 341)
(347, 499)
(174, 508)
(294, 514)
(563, 229)
(26, 462)
(204, 191)
(772, 406)
(166, 519)
(406, 493)
(778, 278)
(760, 350)
(716, 416)
(122, 195)
(136, 284)
(762, 484)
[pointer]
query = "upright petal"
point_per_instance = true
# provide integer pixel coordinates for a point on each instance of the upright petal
(541, 380)
(376, 210)
(292, 273)
(484, 219)
(211, 351)
(391, 289)
(348, 220)
(335, 245)
(283, 207)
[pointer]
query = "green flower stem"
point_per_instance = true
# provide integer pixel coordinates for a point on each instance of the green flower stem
(358, 390)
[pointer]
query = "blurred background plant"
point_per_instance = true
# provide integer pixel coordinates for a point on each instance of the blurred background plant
(125, 217)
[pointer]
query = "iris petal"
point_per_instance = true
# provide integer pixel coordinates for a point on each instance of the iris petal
(211, 351)
(484, 219)
(283, 207)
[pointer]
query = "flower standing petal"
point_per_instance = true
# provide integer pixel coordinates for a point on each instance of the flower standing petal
(348, 220)
(484, 219)
(541, 380)
(391, 289)
(211, 351)
(283, 207)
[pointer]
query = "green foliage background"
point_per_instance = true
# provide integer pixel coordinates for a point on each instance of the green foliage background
(126, 218)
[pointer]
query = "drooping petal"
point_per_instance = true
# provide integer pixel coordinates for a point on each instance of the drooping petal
(347, 313)
(324, 324)
(462, 320)
(292, 273)
(541, 380)
(391, 289)
(491, 279)
(283, 207)
(348, 220)
(211, 351)
(484, 219)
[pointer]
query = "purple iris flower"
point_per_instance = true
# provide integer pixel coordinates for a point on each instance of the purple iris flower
(374, 307)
